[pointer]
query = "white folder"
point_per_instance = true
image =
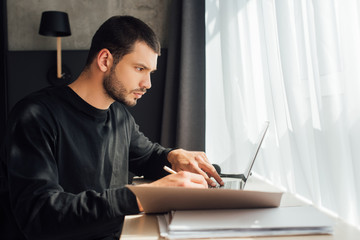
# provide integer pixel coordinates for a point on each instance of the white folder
(245, 222)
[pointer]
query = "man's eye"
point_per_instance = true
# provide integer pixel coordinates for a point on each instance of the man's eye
(139, 69)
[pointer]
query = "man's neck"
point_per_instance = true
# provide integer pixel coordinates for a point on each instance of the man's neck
(91, 90)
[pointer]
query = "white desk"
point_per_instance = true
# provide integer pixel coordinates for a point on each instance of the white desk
(145, 227)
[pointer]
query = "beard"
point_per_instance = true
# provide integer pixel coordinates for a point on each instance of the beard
(117, 91)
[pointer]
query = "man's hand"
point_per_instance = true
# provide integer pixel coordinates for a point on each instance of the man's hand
(180, 179)
(196, 162)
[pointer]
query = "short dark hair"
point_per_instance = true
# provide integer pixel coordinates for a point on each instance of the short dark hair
(118, 34)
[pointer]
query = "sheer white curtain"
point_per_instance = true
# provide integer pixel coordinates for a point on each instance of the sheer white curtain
(296, 64)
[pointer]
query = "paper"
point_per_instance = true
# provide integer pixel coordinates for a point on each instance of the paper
(245, 223)
(165, 199)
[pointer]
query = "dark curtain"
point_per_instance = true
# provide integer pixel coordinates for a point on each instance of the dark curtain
(3, 65)
(183, 122)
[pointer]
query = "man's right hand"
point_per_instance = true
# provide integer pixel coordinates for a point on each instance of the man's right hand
(181, 179)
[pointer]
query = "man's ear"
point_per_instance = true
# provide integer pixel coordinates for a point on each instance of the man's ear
(104, 60)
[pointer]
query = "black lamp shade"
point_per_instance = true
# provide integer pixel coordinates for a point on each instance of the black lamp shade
(55, 24)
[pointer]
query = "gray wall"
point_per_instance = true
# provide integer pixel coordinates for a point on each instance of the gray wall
(85, 17)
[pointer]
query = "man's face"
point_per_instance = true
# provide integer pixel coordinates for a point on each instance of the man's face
(130, 78)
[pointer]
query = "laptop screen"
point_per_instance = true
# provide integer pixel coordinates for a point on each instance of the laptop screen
(256, 149)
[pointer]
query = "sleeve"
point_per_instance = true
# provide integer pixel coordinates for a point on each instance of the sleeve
(146, 158)
(39, 204)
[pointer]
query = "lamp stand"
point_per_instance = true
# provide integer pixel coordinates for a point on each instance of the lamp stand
(58, 53)
(59, 75)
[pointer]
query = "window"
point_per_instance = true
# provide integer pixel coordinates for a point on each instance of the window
(294, 63)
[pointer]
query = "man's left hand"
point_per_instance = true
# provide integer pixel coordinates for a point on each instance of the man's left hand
(196, 162)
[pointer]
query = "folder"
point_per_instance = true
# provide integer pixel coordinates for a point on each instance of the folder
(165, 199)
(303, 220)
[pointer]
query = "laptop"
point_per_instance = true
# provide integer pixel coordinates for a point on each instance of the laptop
(239, 180)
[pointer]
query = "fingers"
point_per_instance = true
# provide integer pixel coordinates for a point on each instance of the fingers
(196, 162)
(194, 179)
(182, 179)
(188, 179)
(203, 173)
(208, 169)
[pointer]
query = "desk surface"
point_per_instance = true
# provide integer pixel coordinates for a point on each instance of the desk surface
(145, 226)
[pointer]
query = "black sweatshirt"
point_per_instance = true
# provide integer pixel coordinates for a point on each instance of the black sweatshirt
(64, 165)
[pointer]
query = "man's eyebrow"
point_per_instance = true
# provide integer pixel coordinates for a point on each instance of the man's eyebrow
(145, 67)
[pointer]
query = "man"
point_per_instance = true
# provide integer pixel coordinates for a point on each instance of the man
(68, 150)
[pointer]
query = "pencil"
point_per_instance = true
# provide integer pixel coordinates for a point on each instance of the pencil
(169, 170)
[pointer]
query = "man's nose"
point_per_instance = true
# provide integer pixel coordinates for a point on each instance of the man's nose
(146, 82)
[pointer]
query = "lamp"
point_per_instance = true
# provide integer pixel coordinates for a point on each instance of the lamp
(56, 24)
